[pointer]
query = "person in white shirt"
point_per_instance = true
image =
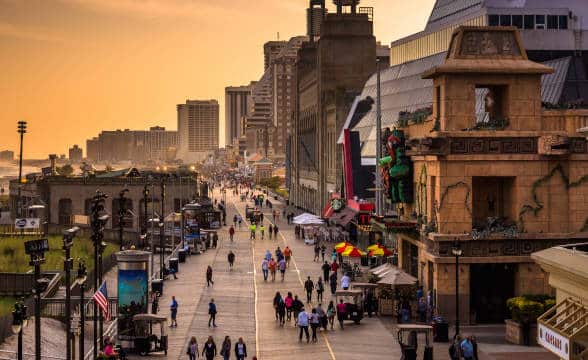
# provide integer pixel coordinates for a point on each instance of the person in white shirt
(303, 320)
(345, 280)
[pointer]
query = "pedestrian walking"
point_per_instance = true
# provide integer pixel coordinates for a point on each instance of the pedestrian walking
(235, 219)
(303, 322)
(287, 255)
(226, 348)
(309, 287)
(281, 311)
(277, 299)
(345, 281)
(215, 240)
(279, 253)
(331, 314)
(297, 307)
(252, 229)
(341, 312)
(192, 350)
(288, 301)
(173, 309)
(467, 349)
(209, 276)
(241, 350)
(231, 258)
(334, 256)
(323, 251)
(271, 231)
(240, 220)
(333, 283)
(276, 231)
(232, 233)
(273, 265)
(320, 288)
(322, 315)
(317, 251)
(326, 268)
(282, 267)
(265, 268)
(314, 323)
(474, 342)
(334, 266)
(212, 313)
(455, 348)
(262, 231)
(209, 349)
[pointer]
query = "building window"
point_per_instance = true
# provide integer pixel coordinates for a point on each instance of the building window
(65, 211)
(517, 20)
(529, 21)
(505, 20)
(563, 22)
(493, 20)
(539, 21)
(552, 21)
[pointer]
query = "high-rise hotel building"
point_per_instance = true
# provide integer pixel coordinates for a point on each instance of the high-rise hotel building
(198, 129)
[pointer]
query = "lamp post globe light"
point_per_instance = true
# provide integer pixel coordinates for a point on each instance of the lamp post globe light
(457, 252)
(19, 322)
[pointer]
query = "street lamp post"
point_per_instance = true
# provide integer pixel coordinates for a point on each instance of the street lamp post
(99, 219)
(145, 203)
(121, 217)
(81, 278)
(162, 230)
(457, 252)
(68, 236)
(22, 129)
(19, 321)
(36, 250)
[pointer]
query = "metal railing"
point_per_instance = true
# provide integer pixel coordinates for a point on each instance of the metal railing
(11, 355)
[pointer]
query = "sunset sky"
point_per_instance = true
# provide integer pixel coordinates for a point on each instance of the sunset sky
(72, 68)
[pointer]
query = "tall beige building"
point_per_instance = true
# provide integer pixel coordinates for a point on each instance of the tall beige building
(237, 105)
(198, 123)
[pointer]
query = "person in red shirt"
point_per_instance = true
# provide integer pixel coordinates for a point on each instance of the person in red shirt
(232, 232)
(341, 312)
(334, 266)
(272, 267)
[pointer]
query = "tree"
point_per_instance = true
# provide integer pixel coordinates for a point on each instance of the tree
(272, 183)
(65, 170)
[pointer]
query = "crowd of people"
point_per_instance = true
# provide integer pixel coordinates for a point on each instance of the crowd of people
(210, 350)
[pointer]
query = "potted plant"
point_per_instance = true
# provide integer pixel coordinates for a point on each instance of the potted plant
(524, 312)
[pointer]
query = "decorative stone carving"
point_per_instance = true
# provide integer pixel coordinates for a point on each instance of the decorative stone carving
(554, 145)
(489, 43)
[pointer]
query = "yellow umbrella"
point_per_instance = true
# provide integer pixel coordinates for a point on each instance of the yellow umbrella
(374, 247)
(380, 252)
(342, 244)
(353, 252)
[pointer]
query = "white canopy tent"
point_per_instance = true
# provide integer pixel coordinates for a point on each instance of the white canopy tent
(308, 219)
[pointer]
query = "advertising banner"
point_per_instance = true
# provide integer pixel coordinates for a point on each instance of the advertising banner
(553, 341)
(132, 300)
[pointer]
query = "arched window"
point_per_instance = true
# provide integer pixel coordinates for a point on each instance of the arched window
(65, 211)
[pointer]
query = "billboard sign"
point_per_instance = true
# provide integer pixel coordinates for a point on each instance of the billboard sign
(553, 341)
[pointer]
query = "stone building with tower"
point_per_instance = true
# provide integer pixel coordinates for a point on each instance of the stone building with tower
(329, 73)
(494, 172)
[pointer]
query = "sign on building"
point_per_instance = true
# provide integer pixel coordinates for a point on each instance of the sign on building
(554, 342)
(27, 223)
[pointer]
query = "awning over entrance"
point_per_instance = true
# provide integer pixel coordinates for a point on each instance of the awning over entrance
(563, 330)
(344, 216)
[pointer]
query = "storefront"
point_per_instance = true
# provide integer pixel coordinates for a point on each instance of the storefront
(563, 329)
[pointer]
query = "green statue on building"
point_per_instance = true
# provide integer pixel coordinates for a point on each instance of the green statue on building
(396, 168)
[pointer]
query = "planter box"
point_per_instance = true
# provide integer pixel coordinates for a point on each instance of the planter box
(386, 307)
(514, 333)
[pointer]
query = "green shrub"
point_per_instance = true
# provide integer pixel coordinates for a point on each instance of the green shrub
(531, 306)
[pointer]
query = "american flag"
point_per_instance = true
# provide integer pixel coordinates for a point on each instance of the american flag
(101, 298)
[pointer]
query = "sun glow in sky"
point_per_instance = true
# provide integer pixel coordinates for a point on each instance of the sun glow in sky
(72, 68)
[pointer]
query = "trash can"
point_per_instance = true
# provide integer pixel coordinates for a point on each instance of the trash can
(182, 255)
(157, 286)
(409, 353)
(174, 265)
(441, 330)
(365, 261)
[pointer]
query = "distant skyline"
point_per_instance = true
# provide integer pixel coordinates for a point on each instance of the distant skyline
(72, 68)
